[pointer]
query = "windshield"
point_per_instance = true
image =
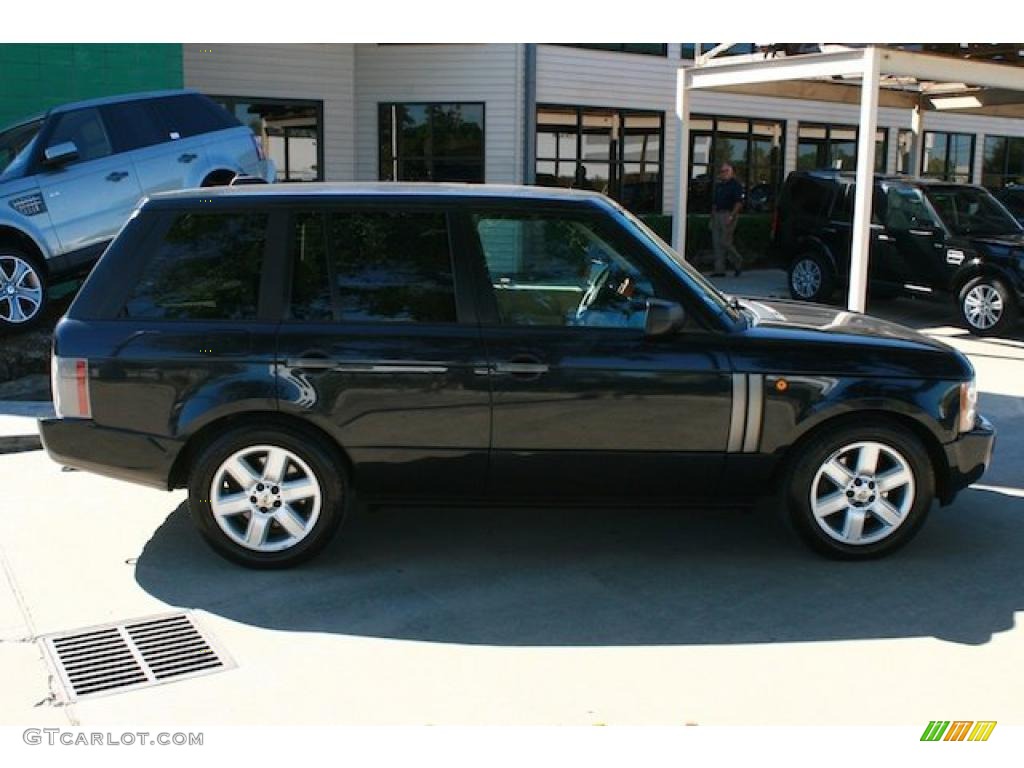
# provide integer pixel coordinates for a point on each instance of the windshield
(971, 211)
(713, 297)
(14, 140)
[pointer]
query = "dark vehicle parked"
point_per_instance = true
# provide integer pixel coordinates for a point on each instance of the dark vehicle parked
(926, 237)
(277, 350)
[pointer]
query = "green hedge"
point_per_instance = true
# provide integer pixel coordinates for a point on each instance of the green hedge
(753, 232)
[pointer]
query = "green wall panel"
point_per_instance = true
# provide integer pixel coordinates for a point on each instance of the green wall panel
(36, 76)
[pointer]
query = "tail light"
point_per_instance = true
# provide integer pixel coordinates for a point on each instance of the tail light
(70, 381)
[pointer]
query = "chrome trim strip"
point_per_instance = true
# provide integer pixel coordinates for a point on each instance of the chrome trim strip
(739, 408)
(755, 409)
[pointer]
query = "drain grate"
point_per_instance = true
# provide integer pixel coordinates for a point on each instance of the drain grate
(142, 652)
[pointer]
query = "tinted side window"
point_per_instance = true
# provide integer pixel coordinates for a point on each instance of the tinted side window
(132, 125)
(372, 267)
(809, 197)
(85, 128)
(207, 267)
(190, 115)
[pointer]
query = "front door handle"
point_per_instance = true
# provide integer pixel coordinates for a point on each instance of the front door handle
(188, 157)
(523, 366)
(117, 175)
(311, 363)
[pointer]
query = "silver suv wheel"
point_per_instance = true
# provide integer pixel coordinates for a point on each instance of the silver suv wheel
(806, 278)
(862, 493)
(265, 498)
(21, 290)
(983, 306)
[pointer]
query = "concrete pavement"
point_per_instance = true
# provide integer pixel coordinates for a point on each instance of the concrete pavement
(537, 616)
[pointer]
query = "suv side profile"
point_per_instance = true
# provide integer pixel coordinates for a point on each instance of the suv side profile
(277, 350)
(69, 180)
(927, 237)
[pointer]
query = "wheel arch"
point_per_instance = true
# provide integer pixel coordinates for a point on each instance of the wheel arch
(195, 443)
(978, 268)
(219, 177)
(12, 237)
(811, 243)
(930, 442)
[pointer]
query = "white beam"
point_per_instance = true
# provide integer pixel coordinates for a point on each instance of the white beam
(917, 140)
(682, 159)
(946, 69)
(861, 242)
(718, 73)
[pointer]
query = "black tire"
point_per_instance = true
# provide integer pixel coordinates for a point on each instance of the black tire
(327, 466)
(986, 285)
(802, 480)
(12, 307)
(219, 179)
(811, 278)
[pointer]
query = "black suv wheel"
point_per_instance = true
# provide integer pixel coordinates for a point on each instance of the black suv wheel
(987, 306)
(811, 278)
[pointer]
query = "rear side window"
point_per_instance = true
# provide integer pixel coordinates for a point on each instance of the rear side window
(206, 267)
(132, 125)
(808, 197)
(378, 266)
(190, 115)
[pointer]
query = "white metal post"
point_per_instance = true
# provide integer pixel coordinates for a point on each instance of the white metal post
(861, 243)
(682, 160)
(917, 139)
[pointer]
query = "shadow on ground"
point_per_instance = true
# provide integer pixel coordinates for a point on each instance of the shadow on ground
(574, 577)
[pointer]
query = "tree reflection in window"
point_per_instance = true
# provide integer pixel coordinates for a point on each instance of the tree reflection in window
(207, 268)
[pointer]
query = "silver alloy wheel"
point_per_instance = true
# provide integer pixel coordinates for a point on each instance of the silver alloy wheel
(265, 498)
(983, 306)
(21, 290)
(862, 493)
(806, 278)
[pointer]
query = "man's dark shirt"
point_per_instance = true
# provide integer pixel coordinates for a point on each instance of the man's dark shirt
(727, 194)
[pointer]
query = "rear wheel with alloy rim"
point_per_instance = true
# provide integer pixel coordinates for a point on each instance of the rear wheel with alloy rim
(987, 306)
(860, 492)
(22, 290)
(268, 498)
(811, 278)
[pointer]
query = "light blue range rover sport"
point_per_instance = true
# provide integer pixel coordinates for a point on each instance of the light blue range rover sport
(70, 179)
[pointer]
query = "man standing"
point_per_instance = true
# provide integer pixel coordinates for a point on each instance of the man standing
(726, 203)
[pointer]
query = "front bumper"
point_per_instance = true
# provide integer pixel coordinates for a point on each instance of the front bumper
(118, 453)
(968, 457)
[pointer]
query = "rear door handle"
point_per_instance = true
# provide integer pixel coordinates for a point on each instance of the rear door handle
(311, 363)
(188, 157)
(117, 175)
(525, 366)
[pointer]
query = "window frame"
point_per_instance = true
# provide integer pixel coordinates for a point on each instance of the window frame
(618, 48)
(946, 174)
(396, 158)
(230, 102)
(1005, 173)
(829, 127)
(463, 293)
(616, 164)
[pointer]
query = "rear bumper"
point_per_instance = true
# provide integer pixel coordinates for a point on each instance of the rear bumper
(968, 457)
(117, 453)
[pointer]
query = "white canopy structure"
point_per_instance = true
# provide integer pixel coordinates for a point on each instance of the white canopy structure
(926, 81)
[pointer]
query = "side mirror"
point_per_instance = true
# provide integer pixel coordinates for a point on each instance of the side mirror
(663, 317)
(59, 154)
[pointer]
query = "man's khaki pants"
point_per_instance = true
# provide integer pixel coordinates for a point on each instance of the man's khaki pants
(721, 239)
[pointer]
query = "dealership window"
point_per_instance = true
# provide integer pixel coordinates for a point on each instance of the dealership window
(1003, 161)
(616, 152)
(650, 49)
(948, 156)
(289, 130)
(822, 146)
(689, 50)
(431, 141)
(754, 148)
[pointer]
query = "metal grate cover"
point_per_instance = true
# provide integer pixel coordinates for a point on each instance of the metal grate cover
(134, 654)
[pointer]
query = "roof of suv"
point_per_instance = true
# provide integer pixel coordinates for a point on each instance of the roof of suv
(383, 188)
(849, 177)
(101, 100)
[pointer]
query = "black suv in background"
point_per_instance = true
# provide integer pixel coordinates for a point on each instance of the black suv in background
(277, 350)
(926, 237)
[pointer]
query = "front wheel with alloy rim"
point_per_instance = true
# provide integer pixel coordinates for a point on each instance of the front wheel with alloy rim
(987, 306)
(268, 498)
(860, 491)
(22, 290)
(811, 278)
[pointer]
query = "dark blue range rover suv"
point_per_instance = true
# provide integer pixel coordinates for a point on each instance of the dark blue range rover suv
(278, 350)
